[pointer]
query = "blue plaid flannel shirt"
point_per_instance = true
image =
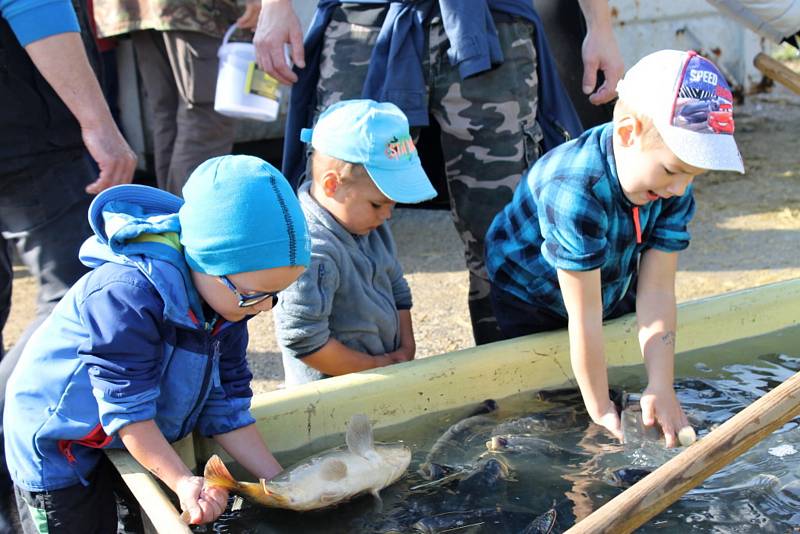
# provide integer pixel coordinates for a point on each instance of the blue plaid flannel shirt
(569, 212)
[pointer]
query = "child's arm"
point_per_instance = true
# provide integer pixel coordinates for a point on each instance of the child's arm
(148, 445)
(584, 303)
(334, 359)
(248, 448)
(408, 346)
(656, 314)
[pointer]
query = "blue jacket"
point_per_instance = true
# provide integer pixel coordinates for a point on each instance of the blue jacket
(127, 343)
(395, 70)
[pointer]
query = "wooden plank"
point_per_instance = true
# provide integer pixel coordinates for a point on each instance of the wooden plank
(149, 493)
(665, 485)
(777, 71)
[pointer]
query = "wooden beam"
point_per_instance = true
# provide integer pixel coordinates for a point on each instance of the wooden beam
(154, 502)
(648, 497)
(777, 71)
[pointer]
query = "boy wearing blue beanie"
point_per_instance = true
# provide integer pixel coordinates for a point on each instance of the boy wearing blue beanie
(151, 344)
(350, 311)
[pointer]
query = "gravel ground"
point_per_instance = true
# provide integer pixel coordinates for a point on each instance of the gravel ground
(746, 233)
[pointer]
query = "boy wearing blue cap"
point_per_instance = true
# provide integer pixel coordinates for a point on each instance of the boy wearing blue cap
(350, 311)
(594, 229)
(151, 344)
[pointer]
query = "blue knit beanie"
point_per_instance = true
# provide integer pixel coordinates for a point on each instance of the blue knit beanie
(240, 215)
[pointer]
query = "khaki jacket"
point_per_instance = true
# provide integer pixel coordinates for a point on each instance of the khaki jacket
(211, 17)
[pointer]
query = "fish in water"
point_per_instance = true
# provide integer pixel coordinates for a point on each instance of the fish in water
(494, 519)
(544, 524)
(626, 476)
(486, 479)
(525, 443)
(437, 464)
(326, 479)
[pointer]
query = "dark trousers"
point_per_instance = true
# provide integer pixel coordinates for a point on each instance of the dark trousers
(105, 506)
(43, 214)
(516, 318)
(179, 71)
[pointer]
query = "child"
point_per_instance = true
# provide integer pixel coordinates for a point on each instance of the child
(594, 229)
(350, 311)
(151, 344)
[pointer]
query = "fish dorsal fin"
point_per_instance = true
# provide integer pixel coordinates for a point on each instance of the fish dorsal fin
(359, 436)
(333, 469)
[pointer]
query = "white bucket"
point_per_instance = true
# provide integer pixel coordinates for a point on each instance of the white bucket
(243, 90)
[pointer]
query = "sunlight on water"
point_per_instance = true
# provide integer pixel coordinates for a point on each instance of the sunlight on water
(556, 459)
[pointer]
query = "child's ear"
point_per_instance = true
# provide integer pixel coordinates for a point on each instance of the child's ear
(629, 130)
(330, 182)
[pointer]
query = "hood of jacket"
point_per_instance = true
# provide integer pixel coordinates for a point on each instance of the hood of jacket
(138, 226)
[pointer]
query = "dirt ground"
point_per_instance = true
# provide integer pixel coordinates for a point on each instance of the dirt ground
(746, 233)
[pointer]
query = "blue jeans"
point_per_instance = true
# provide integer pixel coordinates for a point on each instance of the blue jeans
(43, 214)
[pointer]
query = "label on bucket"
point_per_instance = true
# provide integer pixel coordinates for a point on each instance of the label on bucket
(260, 83)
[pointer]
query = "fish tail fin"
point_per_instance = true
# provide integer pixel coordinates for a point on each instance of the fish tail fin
(216, 474)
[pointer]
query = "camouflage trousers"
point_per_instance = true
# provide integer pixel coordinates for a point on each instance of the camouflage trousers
(488, 122)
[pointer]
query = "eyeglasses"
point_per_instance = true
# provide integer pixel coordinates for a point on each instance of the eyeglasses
(245, 301)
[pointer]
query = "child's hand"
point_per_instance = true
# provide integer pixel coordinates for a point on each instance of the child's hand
(200, 505)
(401, 355)
(609, 419)
(662, 406)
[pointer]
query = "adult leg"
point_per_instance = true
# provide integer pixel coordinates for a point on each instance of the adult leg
(43, 212)
(346, 49)
(161, 97)
(201, 132)
(6, 285)
(489, 138)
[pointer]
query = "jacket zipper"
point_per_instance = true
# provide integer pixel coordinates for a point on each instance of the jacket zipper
(206, 377)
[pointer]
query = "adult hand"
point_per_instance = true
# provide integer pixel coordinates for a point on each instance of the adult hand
(114, 157)
(609, 419)
(200, 505)
(277, 26)
(249, 18)
(600, 52)
(661, 406)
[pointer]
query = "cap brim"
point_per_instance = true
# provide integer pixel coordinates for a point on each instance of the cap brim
(715, 152)
(407, 185)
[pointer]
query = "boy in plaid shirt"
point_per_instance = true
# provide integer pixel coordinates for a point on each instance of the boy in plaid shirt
(594, 229)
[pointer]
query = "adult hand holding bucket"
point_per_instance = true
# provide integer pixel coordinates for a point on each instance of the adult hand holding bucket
(243, 90)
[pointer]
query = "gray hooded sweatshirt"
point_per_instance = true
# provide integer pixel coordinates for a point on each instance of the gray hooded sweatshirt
(351, 292)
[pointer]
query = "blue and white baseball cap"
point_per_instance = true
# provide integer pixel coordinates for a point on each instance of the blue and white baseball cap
(691, 106)
(375, 135)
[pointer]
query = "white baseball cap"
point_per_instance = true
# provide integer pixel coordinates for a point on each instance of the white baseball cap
(691, 106)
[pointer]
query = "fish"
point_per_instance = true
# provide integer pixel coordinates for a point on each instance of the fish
(324, 480)
(525, 443)
(495, 519)
(485, 479)
(454, 439)
(626, 476)
(544, 524)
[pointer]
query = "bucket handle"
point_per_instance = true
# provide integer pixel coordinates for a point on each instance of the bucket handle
(228, 34)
